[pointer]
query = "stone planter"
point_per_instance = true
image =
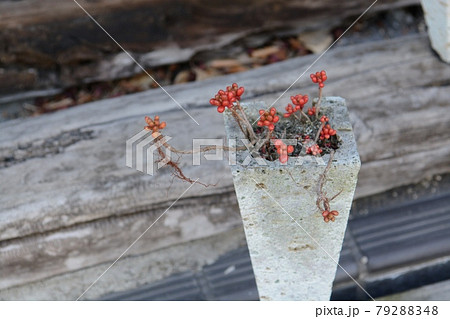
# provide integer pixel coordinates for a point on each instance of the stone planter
(294, 253)
(437, 17)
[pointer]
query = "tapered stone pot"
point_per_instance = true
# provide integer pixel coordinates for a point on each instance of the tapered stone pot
(294, 253)
(437, 17)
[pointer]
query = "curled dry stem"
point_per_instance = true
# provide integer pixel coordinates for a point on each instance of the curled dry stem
(177, 172)
(322, 199)
(322, 178)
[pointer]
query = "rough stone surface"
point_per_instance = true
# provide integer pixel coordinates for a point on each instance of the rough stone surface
(437, 17)
(293, 251)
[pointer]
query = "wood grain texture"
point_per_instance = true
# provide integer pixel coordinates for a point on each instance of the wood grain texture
(68, 202)
(65, 47)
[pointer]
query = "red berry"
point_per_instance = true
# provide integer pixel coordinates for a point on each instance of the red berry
(268, 118)
(319, 77)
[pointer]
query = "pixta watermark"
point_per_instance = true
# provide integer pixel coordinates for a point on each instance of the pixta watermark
(141, 152)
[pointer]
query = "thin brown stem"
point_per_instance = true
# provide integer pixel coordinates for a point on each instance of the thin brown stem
(318, 102)
(246, 122)
(298, 119)
(238, 119)
(305, 116)
(204, 149)
(318, 132)
(260, 143)
(159, 136)
(339, 193)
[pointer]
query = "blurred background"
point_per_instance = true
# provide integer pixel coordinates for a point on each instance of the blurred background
(70, 97)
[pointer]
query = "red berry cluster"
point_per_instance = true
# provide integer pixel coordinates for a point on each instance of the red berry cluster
(319, 77)
(314, 150)
(290, 110)
(299, 101)
(268, 118)
(154, 125)
(283, 150)
(327, 215)
(226, 98)
(327, 132)
(324, 119)
(312, 111)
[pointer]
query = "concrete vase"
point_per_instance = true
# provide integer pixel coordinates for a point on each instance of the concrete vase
(294, 253)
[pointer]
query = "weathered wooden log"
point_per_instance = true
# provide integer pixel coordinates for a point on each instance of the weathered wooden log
(58, 37)
(69, 202)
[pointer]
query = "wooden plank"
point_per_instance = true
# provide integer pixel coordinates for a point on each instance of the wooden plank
(63, 41)
(69, 249)
(67, 190)
(132, 271)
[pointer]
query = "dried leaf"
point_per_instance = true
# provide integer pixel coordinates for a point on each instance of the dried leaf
(225, 63)
(182, 77)
(316, 41)
(61, 104)
(201, 74)
(263, 53)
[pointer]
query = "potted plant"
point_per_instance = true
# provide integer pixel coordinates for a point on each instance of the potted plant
(293, 174)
